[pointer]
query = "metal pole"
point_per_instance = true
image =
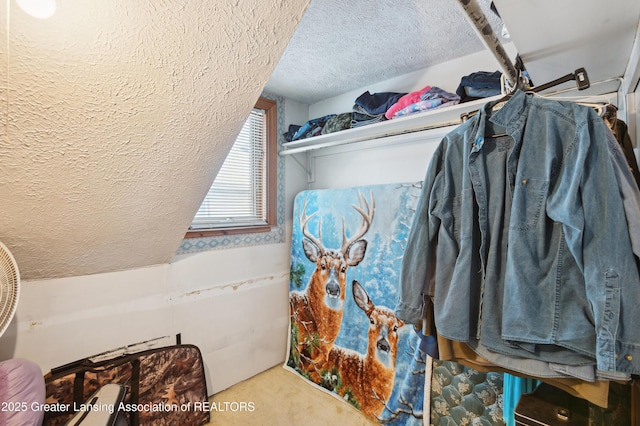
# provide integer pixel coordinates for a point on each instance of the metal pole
(477, 18)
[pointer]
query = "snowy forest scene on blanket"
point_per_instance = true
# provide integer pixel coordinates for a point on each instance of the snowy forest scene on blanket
(346, 255)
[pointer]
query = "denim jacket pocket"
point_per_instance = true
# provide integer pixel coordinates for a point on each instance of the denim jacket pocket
(528, 201)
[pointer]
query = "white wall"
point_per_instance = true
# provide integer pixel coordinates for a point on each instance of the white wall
(231, 303)
(64, 319)
(368, 163)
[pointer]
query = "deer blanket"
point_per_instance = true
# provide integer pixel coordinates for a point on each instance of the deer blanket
(346, 253)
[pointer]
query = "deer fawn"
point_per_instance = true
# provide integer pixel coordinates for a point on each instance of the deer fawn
(317, 312)
(369, 378)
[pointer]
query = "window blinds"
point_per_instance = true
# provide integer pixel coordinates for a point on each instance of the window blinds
(238, 194)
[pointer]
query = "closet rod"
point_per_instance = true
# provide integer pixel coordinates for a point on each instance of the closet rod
(478, 19)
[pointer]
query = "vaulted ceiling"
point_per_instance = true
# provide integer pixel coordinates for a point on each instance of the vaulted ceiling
(116, 116)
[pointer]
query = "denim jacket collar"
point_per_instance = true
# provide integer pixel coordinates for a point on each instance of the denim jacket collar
(512, 118)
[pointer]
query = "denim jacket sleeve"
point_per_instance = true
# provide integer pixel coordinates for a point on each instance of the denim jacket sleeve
(417, 275)
(587, 201)
(628, 191)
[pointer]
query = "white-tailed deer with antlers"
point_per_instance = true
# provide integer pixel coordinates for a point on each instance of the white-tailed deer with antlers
(369, 378)
(317, 312)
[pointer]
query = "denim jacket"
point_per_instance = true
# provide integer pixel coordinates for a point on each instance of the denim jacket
(522, 240)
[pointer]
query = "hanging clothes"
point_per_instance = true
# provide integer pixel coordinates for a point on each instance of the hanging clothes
(526, 209)
(620, 131)
(595, 392)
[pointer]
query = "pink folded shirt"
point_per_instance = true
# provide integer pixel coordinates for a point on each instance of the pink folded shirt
(405, 101)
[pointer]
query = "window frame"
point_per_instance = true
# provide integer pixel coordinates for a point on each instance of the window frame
(270, 109)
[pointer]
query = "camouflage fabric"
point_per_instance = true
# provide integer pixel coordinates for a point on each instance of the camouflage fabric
(170, 381)
(337, 123)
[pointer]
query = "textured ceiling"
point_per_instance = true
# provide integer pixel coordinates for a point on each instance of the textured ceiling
(341, 45)
(117, 116)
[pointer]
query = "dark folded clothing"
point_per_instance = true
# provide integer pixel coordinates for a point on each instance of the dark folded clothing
(293, 128)
(378, 103)
(479, 80)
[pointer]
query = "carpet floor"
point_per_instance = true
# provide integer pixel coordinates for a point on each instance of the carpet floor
(279, 397)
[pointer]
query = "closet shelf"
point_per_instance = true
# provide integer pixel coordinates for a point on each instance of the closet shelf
(442, 117)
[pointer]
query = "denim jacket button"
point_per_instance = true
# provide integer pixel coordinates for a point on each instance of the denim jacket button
(617, 356)
(628, 357)
(524, 181)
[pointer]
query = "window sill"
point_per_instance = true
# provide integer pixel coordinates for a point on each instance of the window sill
(227, 231)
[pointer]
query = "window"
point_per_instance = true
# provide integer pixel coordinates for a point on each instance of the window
(242, 198)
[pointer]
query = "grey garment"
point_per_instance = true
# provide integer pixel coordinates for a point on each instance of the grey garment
(522, 241)
(361, 117)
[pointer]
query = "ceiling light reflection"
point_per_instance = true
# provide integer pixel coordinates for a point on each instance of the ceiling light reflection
(38, 8)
